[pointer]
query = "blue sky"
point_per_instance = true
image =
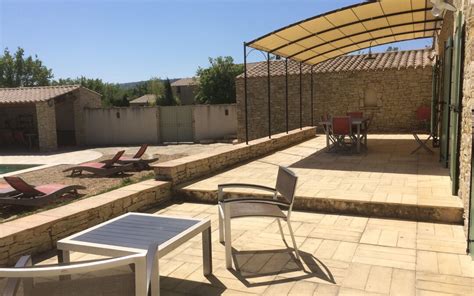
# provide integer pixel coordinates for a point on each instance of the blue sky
(132, 40)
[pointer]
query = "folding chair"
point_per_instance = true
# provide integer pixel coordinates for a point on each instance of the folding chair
(423, 117)
(341, 129)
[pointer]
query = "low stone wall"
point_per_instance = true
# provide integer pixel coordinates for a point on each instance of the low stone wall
(199, 165)
(39, 232)
(452, 215)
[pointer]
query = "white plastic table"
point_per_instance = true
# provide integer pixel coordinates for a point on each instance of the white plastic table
(134, 232)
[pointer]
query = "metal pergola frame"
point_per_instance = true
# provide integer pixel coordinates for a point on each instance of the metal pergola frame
(269, 97)
(315, 53)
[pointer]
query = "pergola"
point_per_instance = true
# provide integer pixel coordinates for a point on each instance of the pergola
(339, 32)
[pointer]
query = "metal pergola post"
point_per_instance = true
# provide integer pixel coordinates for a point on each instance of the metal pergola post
(312, 97)
(301, 95)
(246, 96)
(286, 94)
(269, 99)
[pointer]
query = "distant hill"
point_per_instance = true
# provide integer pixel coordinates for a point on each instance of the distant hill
(129, 85)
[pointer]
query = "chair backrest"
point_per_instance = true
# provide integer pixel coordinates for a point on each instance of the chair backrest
(19, 137)
(341, 125)
(110, 162)
(325, 117)
(286, 184)
(423, 113)
(355, 114)
(21, 186)
(141, 151)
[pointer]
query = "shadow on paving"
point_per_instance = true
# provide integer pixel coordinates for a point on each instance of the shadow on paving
(382, 156)
(255, 264)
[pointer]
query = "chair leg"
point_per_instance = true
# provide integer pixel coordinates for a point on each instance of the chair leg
(228, 238)
(221, 223)
(281, 229)
(293, 239)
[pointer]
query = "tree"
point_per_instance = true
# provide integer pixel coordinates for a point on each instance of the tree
(390, 48)
(16, 70)
(155, 87)
(167, 98)
(217, 83)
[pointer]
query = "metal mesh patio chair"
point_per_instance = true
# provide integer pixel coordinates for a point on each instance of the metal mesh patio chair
(231, 208)
(111, 276)
(341, 130)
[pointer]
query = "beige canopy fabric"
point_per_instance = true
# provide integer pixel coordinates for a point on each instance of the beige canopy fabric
(350, 29)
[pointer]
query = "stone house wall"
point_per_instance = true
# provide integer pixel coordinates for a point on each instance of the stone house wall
(398, 93)
(467, 101)
(46, 122)
(84, 99)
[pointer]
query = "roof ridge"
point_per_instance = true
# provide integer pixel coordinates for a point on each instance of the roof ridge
(388, 60)
(40, 87)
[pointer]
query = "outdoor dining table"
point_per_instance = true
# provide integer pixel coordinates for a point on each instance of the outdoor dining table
(359, 123)
(133, 233)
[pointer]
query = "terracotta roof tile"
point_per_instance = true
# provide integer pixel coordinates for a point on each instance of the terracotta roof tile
(145, 99)
(185, 82)
(34, 94)
(349, 63)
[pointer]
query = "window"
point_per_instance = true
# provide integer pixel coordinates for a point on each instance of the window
(371, 97)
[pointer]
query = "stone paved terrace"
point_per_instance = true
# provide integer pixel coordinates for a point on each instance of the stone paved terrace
(386, 181)
(341, 255)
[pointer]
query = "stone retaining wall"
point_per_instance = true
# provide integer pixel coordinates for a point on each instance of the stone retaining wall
(398, 93)
(39, 232)
(452, 215)
(199, 165)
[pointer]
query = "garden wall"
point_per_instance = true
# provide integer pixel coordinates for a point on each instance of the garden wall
(199, 165)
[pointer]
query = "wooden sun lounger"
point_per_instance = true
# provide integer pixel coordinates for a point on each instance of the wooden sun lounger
(138, 162)
(104, 169)
(7, 190)
(36, 196)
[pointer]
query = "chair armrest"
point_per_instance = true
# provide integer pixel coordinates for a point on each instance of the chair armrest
(256, 200)
(244, 185)
(12, 285)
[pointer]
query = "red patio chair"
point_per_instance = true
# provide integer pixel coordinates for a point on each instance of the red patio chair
(355, 114)
(105, 168)
(19, 138)
(423, 118)
(341, 128)
(36, 196)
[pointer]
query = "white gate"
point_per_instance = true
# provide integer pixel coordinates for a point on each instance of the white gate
(176, 124)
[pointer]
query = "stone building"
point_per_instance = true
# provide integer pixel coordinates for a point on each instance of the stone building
(144, 101)
(464, 147)
(44, 117)
(185, 89)
(388, 87)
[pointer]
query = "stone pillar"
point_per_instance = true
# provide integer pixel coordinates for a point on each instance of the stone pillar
(46, 120)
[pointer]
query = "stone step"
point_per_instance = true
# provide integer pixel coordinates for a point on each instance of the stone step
(346, 206)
